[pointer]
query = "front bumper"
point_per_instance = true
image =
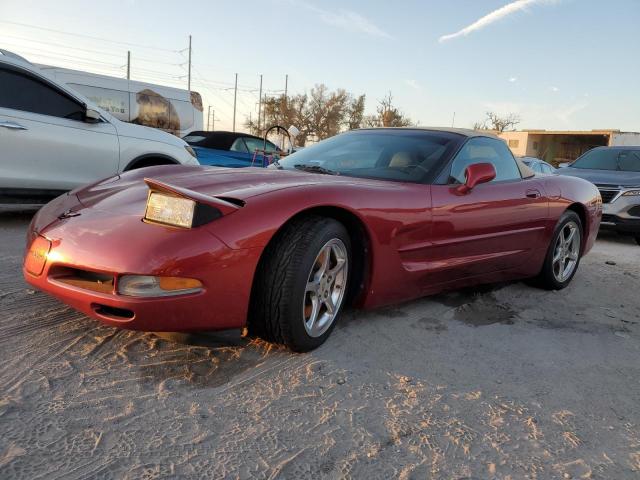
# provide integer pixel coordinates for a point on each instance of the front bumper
(619, 224)
(622, 215)
(108, 246)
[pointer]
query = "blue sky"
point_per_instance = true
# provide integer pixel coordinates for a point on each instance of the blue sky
(559, 64)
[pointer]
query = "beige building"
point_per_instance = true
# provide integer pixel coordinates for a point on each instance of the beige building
(556, 146)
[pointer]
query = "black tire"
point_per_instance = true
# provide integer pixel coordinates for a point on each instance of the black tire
(547, 278)
(638, 239)
(279, 289)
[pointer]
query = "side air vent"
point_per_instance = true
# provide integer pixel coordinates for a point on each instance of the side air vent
(234, 201)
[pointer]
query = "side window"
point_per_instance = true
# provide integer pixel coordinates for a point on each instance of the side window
(239, 146)
(485, 150)
(254, 143)
(536, 167)
(22, 92)
(546, 168)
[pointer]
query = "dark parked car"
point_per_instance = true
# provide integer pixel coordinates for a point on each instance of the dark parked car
(537, 165)
(230, 149)
(616, 173)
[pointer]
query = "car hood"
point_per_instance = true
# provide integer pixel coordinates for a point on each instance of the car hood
(127, 193)
(603, 177)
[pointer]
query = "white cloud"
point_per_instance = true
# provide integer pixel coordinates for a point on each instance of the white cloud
(345, 19)
(495, 16)
(513, 79)
(554, 89)
(413, 84)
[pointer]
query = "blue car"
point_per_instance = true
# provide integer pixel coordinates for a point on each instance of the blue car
(231, 149)
(538, 166)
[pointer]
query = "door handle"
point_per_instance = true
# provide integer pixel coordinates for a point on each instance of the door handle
(533, 193)
(13, 126)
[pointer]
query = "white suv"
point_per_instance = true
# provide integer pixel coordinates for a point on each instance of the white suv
(52, 139)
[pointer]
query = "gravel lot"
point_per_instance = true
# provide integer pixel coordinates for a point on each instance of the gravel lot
(499, 382)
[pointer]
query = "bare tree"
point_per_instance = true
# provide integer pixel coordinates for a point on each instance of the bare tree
(323, 113)
(320, 114)
(355, 113)
(497, 122)
(391, 116)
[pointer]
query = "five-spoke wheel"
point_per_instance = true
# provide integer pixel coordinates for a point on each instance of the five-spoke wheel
(325, 287)
(301, 283)
(563, 255)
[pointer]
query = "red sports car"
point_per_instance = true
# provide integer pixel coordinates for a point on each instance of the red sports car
(370, 217)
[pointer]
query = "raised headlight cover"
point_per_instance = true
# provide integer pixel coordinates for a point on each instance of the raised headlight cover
(170, 210)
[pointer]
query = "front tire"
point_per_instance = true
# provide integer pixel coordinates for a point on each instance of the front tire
(563, 256)
(301, 283)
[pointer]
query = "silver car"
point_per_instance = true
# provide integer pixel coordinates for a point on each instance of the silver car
(616, 173)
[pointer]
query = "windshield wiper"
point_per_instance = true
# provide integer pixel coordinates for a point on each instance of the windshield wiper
(315, 169)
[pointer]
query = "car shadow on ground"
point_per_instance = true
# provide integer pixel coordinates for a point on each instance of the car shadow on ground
(608, 236)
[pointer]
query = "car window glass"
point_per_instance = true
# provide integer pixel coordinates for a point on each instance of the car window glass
(547, 169)
(239, 146)
(609, 159)
(191, 139)
(254, 144)
(485, 150)
(629, 161)
(23, 92)
(405, 156)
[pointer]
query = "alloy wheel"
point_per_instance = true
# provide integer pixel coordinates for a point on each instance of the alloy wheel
(566, 252)
(325, 288)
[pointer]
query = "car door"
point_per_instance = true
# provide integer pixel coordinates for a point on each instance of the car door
(494, 227)
(46, 143)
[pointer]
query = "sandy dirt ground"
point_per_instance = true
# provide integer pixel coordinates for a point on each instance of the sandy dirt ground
(499, 382)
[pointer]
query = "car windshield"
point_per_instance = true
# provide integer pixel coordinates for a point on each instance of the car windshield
(609, 159)
(396, 155)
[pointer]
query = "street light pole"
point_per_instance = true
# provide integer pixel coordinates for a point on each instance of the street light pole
(235, 98)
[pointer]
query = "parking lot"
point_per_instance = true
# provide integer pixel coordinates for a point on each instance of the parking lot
(500, 382)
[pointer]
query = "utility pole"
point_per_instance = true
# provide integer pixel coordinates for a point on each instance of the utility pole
(189, 77)
(454, 119)
(235, 98)
(264, 117)
(208, 118)
(260, 104)
(213, 120)
(128, 64)
(286, 88)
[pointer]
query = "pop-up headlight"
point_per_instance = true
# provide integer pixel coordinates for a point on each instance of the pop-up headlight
(170, 210)
(178, 211)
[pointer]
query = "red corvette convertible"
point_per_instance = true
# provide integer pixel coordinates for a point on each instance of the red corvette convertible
(369, 217)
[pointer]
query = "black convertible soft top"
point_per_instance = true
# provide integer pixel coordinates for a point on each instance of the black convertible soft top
(218, 140)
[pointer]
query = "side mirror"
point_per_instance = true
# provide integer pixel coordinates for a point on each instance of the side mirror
(91, 116)
(476, 174)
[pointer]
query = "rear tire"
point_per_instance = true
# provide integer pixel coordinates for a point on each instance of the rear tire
(563, 256)
(300, 284)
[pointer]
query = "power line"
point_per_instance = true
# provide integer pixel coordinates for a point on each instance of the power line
(44, 53)
(89, 36)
